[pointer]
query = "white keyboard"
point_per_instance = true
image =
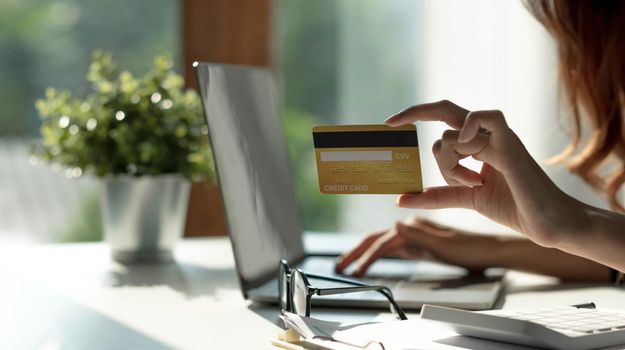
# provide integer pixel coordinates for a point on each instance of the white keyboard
(567, 327)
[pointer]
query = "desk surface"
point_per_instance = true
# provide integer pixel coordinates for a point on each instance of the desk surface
(71, 296)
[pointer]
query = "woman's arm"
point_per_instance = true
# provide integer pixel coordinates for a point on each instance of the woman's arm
(596, 234)
(524, 255)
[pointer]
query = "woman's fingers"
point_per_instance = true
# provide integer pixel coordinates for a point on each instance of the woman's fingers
(383, 246)
(439, 198)
(448, 153)
(415, 235)
(413, 253)
(348, 258)
(420, 239)
(444, 111)
(475, 128)
(491, 121)
(448, 162)
(419, 221)
(375, 246)
(434, 228)
(504, 148)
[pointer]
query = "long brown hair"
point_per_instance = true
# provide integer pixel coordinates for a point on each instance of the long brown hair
(590, 36)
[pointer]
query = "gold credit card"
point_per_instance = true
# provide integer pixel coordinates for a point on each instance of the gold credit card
(367, 159)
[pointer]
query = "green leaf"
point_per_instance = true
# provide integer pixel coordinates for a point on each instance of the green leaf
(150, 138)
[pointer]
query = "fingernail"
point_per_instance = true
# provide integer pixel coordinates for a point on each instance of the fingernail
(472, 183)
(477, 181)
(401, 200)
(389, 120)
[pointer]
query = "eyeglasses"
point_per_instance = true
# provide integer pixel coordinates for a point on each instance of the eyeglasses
(296, 292)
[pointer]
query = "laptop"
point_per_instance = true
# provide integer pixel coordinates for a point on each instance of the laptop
(262, 214)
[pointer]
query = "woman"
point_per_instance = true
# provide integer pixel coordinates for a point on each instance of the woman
(565, 238)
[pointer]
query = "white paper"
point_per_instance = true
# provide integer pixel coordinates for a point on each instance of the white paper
(409, 334)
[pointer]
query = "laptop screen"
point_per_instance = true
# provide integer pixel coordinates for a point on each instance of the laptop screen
(251, 160)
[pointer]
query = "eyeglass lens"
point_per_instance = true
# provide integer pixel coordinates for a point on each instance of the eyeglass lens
(299, 294)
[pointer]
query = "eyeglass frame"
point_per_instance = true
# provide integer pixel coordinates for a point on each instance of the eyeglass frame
(285, 274)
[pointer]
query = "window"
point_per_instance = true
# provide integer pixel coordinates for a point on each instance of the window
(49, 43)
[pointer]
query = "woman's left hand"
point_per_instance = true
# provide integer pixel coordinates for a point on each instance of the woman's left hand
(421, 239)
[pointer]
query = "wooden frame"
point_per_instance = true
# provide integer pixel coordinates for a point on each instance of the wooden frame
(223, 31)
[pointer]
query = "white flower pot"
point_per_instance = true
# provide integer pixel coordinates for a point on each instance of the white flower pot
(143, 217)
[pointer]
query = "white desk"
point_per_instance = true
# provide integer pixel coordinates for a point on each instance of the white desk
(71, 296)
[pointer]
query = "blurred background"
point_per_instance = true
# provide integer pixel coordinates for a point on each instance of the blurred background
(337, 61)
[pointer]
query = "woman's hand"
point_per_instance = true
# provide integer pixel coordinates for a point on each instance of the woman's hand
(422, 239)
(510, 189)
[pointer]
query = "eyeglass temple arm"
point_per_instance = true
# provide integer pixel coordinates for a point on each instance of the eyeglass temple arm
(384, 290)
(336, 279)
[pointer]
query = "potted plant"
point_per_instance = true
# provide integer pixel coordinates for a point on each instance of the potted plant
(146, 139)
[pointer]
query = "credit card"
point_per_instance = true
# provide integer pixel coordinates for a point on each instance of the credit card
(367, 159)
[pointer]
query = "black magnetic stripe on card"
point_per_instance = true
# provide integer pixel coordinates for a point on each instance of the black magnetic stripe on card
(345, 139)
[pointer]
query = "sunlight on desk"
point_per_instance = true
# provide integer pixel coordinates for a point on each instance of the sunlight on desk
(72, 296)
